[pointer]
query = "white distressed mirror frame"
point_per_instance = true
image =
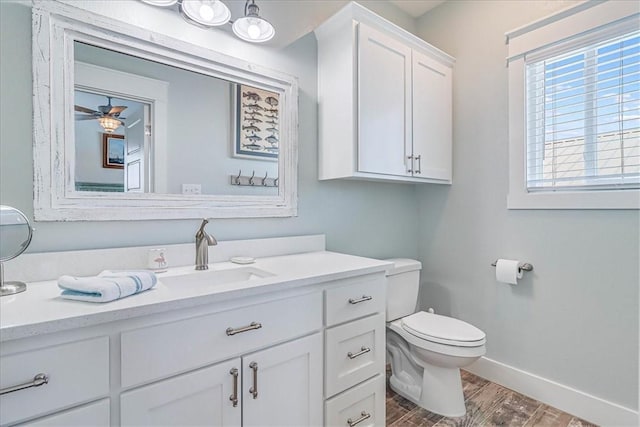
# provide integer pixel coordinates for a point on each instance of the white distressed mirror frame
(55, 29)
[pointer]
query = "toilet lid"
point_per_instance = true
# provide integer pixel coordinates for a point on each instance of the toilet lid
(443, 329)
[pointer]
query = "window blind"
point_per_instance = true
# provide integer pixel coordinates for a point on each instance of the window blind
(583, 117)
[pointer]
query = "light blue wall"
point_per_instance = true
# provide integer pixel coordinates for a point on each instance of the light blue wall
(361, 218)
(574, 319)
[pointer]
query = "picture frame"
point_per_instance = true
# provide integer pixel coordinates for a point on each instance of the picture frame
(113, 147)
(257, 123)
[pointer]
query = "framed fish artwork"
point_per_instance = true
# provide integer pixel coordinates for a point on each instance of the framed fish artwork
(257, 120)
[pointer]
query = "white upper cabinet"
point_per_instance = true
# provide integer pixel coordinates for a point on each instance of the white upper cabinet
(384, 101)
(431, 118)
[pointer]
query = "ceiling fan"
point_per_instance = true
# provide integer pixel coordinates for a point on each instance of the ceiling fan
(107, 115)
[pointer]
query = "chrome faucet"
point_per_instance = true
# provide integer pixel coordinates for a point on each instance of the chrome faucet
(203, 241)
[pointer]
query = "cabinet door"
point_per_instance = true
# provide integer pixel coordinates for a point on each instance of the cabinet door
(282, 385)
(384, 103)
(202, 397)
(431, 118)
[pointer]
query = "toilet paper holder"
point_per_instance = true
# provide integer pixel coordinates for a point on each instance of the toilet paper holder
(523, 266)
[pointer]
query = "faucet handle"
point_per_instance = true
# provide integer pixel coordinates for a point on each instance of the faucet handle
(203, 235)
(200, 231)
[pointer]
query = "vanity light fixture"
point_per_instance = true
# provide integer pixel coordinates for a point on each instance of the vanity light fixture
(252, 27)
(213, 13)
(109, 124)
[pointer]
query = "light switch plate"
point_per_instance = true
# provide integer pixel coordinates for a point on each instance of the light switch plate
(191, 189)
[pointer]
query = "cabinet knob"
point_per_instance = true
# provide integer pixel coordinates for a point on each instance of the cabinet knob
(253, 325)
(234, 397)
(410, 170)
(37, 381)
(254, 390)
(362, 351)
(363, 416)
(359, 300)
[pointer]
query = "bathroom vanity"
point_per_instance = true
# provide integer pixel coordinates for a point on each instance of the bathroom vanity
(293, 339)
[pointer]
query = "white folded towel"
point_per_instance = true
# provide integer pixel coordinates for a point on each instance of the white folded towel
(106, 286)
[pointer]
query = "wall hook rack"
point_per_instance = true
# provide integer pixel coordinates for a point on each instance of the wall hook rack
(251, 181)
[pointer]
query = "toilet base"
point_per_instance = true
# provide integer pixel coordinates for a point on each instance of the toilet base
(440, 391)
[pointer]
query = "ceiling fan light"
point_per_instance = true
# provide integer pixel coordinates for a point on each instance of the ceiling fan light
(161, 3)
(206, 13)
(253, 29)
(109, 124)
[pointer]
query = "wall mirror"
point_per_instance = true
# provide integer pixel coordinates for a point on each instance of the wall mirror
(142, 126)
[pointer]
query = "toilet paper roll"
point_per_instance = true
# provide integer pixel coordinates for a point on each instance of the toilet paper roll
(507, 271)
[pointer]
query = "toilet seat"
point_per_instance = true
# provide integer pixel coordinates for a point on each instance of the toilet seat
(443, 330)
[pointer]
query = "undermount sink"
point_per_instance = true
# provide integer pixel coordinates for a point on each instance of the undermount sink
(215, 277)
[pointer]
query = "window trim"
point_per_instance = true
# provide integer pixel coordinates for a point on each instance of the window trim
(577, 21)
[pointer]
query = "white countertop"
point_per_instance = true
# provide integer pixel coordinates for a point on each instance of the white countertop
(41, 310)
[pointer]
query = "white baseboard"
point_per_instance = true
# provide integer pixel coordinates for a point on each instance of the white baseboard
(575, 402)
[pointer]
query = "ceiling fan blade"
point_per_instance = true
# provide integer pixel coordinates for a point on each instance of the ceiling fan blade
(84, 109)
(118, 109)
(78, 117)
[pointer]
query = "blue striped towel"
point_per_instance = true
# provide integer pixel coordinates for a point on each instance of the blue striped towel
(106, 286)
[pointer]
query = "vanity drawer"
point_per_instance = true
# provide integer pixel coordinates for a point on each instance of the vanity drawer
(77, 372)
(363, 402)
(354, 352)
(160, 351)
(94, 414)
(354, 300)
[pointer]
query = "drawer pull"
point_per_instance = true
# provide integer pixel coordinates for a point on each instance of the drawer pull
(359, 300)
(37, 381)
(363, 416)
(252, 326)
(254, 390)
(362, 351)
(234, 397)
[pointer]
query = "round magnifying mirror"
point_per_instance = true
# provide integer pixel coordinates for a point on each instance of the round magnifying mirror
(15, 236)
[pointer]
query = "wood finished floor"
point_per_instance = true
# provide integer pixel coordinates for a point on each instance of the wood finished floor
(488, 404)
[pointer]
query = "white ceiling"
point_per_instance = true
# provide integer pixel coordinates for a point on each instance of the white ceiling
(417, 8)
(294, 19)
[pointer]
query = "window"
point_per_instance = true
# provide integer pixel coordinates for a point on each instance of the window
(583, 118)
(575, 127)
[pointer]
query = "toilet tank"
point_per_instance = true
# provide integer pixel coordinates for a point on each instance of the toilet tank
(403, 283)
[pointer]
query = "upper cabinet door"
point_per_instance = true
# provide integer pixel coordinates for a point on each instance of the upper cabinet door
(384, 107)
(282, 385)
(432, 135)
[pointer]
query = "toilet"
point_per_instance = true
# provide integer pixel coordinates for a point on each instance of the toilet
(426, 350)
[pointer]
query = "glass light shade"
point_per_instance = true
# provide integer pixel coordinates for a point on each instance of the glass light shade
(161, 3)
(109, 124)
(253, 29)
(206, 13)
